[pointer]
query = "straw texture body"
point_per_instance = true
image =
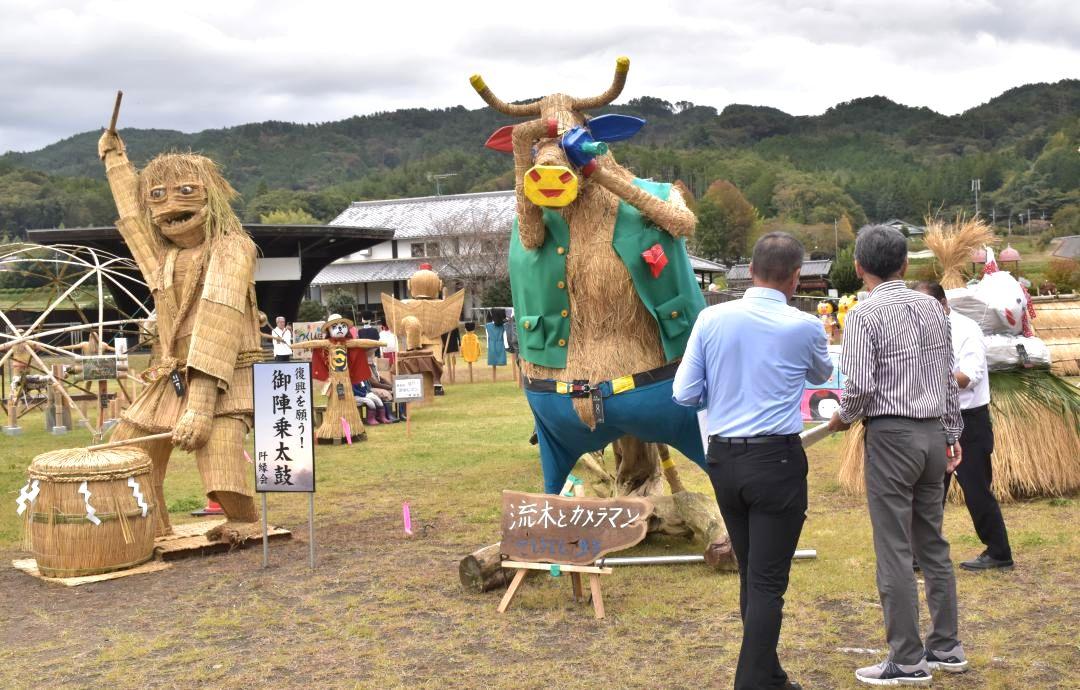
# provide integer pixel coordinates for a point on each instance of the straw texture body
(63, 540)
(1058, 324)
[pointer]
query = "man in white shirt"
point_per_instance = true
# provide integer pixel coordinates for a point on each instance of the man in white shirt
(282, 340)
(977, 439)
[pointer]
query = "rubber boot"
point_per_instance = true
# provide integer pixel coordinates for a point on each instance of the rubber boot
(369, 418)
(384, 415)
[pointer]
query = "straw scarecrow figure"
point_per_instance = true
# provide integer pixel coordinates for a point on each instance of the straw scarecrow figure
(200, 265)
(341, 361)
(437, 315)
(604, 295)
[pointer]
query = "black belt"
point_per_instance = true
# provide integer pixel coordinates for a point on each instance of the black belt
(897, 416)
(975, 410)
(583, 389)
(755, 440)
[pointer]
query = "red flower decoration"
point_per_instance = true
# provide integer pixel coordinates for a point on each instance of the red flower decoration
(655, 257)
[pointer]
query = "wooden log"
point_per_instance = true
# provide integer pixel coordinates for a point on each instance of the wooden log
(482, 571)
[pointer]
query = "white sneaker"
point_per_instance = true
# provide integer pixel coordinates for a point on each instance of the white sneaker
(951, 661)
(889, 673)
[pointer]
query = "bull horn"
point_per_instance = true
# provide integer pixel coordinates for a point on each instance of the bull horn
(622, 66)
(512, 109)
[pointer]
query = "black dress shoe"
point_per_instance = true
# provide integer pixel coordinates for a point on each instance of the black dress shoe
(987, 562)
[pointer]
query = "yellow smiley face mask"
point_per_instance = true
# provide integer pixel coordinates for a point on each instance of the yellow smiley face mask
(551, 186)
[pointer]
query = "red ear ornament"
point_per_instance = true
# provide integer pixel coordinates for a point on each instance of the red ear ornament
(502, 139)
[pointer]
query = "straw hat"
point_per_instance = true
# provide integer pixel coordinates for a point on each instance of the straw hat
(335, 318)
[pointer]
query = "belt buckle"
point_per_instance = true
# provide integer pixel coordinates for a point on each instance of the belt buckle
(580, 389)
(622, 384)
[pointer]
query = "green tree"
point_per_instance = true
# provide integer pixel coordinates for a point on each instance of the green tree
(310, 310)
(293, 216)
(497, 293)
(842, 276)
(725, 222)
(341, 302)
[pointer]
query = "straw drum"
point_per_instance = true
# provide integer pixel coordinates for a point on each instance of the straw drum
(91, 510)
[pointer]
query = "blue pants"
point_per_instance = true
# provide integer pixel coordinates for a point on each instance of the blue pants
(647, 413)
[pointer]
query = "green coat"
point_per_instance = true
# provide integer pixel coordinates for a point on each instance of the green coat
(542, 304)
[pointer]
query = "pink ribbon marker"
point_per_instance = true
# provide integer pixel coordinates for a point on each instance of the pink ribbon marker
(347, 430)
(406, 515)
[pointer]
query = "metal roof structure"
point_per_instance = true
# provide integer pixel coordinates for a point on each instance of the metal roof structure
(434, 216)
(1069, 248)
(817, 268)
(315, 245)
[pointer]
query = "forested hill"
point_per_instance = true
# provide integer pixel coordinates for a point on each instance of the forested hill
(867, 158)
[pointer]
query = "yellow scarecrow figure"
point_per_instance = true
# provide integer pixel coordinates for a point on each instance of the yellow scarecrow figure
(341, 361)
(200, 265)
(847, 303)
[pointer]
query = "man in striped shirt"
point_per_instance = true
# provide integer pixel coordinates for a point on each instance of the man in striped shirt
(898, 361)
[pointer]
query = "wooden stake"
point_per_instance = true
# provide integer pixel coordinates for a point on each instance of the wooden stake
(519, 576)
(576, 579)
(131, 441)
(597, 598)
(470, 372)
(115, 112)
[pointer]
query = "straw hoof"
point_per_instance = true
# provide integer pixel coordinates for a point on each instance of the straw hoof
(234, 533)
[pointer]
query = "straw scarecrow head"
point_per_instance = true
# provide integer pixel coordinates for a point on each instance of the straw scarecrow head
(425, 283)
(567, 151)
(186, 199)
(337, 326)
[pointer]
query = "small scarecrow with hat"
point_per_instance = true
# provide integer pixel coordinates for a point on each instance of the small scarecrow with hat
(340, 361)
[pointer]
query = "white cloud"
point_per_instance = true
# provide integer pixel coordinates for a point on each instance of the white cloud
(196, 64)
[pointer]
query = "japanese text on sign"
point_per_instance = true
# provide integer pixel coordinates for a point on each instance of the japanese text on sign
(557, 529)
(284, 439)
(408, 387)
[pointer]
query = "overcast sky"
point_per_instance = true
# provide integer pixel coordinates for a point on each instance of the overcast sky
(192, 65)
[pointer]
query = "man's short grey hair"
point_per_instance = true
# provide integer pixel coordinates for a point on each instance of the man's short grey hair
(881, 250)
(776, 257)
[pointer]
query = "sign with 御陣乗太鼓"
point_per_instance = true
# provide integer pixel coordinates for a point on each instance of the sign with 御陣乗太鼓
(542, 528)
(284, 438)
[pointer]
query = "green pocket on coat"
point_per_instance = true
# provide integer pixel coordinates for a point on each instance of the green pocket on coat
(531, 329)
(672, 316)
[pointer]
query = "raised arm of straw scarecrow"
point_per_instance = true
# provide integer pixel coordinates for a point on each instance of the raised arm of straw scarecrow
(200, 264)
(604, 295)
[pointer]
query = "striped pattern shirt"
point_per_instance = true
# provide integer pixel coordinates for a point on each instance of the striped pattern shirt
(898, 359)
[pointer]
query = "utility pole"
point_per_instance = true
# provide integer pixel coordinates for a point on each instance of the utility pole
(976, 185)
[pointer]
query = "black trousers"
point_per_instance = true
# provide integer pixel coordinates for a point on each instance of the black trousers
(761, 490)
(975, 474)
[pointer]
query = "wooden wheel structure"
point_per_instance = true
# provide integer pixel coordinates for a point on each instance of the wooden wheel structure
(64, 302)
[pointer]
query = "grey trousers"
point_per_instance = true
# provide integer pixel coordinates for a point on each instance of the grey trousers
(905, 466)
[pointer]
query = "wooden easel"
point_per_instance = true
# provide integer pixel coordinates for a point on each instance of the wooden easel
(575, 571)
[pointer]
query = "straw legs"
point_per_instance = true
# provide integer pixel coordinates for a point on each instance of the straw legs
(222, 468)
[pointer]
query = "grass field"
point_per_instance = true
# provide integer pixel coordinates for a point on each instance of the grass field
(382, 610)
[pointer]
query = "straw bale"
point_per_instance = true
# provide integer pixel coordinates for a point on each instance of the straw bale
(1036, 419)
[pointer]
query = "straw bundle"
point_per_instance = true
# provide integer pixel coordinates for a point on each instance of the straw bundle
(952, 244)
(1058, 324)
(1036, 420)
(60, 528)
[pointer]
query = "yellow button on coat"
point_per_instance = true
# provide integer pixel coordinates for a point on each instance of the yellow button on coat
(560, 285)
(527, 325)
(562, 342)
(565, 313)
(560, 250)
(674, 314)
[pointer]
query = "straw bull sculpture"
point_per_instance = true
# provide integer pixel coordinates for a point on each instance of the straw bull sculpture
(200, 265)
(604, 298)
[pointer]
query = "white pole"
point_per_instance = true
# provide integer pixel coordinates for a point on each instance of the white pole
(311, 530)
(266, 536)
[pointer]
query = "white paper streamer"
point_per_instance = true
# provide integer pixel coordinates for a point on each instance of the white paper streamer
(138, 495)
(27, 494)
(89, 508)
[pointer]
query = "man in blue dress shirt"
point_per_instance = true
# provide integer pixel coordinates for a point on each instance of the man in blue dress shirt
(747, 362)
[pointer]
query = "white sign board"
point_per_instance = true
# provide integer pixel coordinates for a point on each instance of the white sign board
(284, 438)
(408, 387)
(277, 268)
